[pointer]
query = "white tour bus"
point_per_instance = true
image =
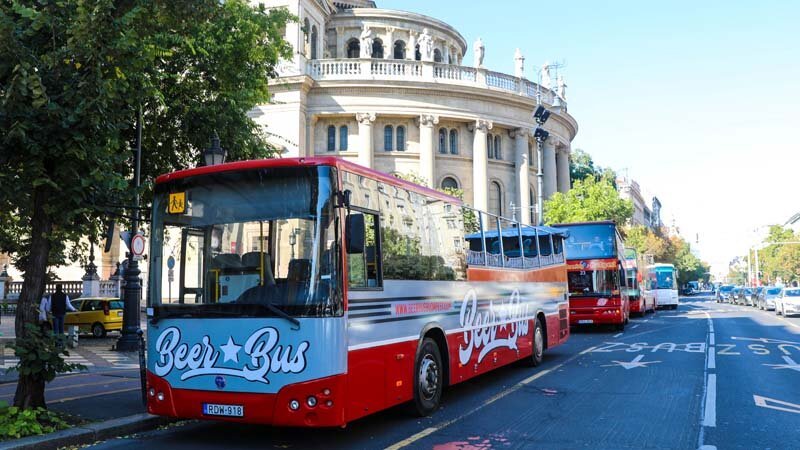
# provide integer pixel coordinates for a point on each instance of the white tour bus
(661, 285)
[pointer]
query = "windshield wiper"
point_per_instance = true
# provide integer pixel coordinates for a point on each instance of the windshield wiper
(281, 313)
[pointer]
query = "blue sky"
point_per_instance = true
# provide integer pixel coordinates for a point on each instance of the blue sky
(698, 101)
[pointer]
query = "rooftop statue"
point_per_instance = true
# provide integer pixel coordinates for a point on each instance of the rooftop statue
(426, 45)
(366, 42)
(479, 53)
(519, 64)
(562, 87)
(547, 81)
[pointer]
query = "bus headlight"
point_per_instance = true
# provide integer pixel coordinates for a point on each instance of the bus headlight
(311, 401)
(294, 405)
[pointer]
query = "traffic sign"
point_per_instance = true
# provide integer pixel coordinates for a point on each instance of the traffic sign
(170, 262)
(137, 245)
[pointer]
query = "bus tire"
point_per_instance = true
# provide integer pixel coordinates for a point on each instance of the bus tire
(537, 355)
(428, 378)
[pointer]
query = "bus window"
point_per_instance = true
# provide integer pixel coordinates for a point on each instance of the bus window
(363, 269)
(592, 283)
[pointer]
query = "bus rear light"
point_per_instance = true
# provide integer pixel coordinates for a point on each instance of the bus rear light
(311, 401)
(294, 405)
(152, 392)
(329, 403)
(326, 392)
(398, 383)
(160, 396)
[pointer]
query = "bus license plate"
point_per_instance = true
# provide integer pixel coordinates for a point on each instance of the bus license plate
(586, 321)
(214, 409)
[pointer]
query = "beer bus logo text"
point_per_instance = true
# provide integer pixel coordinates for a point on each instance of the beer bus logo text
(263, 355)
(481, 327)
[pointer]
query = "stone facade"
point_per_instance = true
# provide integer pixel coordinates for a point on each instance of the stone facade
(388, 90)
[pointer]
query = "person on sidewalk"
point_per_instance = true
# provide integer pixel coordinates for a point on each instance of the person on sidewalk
(59, 305)
(44, 308)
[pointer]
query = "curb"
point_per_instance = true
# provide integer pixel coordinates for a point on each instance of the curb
(88, 434)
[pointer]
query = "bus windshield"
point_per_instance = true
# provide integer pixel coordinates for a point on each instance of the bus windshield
(591, 241)
(246, 243)
(664, 279)
(593, 283)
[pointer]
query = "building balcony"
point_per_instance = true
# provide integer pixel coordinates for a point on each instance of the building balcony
(431, 72)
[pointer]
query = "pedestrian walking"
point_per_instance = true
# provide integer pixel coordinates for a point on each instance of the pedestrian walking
(59, 305)
(44, 308)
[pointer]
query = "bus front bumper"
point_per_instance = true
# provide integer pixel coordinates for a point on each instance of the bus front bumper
(270, 409)
(598, 315)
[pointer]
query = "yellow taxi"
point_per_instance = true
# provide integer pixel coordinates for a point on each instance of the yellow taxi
(96, 315)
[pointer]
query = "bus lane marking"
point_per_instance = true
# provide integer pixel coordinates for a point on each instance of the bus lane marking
(771, 403)
(669, 347)
(636, 362)
(430, 430)
(790, 364)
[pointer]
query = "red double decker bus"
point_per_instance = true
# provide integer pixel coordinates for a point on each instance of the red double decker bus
(598, 291)
(312, 292)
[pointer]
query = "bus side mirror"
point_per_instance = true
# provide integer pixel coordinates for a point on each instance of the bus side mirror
(354, 233)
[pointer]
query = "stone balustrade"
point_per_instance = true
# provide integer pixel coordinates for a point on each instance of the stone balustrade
(395, 69)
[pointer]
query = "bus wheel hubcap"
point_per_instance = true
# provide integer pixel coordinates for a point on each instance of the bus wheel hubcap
(539, 344)
(428, 377)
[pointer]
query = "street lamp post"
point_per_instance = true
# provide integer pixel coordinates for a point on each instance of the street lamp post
(132, 294)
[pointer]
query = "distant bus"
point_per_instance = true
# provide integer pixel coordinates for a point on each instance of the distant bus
(314, 291)
(639, 303)
(662, 285)
(598, 289)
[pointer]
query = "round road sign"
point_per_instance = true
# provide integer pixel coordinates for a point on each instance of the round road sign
(170, 262)
(137, 244)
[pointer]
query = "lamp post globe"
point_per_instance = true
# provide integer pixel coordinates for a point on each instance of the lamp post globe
(215, 154)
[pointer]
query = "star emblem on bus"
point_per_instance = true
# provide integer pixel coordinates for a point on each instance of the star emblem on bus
(231, 351)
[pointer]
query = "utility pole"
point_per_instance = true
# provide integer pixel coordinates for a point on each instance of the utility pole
(132, 294)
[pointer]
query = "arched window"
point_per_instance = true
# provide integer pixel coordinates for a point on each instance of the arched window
(495, 198)
(388, 138)
(343, 138)
(453, 142)
(401, 138)
(437, 55)
(417, 54)
(489, 146)
(314, 37)
(449, 183)
(377, 48)
(442, 140)
(353, 48)
(331, 138)
(399, 50)
(497, 148)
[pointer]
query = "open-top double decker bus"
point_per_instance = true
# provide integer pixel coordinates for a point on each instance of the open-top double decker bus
(640, 304)
(312, 292)
(595, 270)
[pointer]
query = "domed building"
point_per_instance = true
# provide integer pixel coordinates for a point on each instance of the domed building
(388, 89)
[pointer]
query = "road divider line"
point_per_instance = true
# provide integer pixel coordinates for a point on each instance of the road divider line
(711, 340)
(430, 430)
(710, 416)
(617, 335)
(634, 327)
(712, 359)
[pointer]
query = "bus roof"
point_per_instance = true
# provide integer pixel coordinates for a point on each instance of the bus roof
(574, 224)
(527, 230)
(661, 266)
(339, 163)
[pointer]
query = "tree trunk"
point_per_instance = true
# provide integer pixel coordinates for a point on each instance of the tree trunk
(30, 390)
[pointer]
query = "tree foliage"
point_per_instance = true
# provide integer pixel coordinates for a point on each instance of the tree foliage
(588, 200)
(582, 166)
(779, 261)
(73, 75)
(661, 248)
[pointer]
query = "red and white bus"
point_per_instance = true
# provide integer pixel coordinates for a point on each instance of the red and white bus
(595, 269)
(313, 292)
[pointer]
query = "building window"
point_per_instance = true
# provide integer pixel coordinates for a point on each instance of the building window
(495, 199)
(442, 141)
(353, 48)
(497, 148)
(449, 183)
(401, 138)
(399, 50)
(343, 138)
(314, 37)
(388, 138)
(331, 138)
(453, 142)
(417, 54)
(489, 146)
(377, 48)
(437, 56)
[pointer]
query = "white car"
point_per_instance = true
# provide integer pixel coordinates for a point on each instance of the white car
(788, 302)
(766, 299)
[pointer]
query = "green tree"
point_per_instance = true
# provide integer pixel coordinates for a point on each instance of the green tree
(73, 75)
(588, 200)
(581, 165)
(777, 259)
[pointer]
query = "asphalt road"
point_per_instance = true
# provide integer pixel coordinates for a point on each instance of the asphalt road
(704, 376)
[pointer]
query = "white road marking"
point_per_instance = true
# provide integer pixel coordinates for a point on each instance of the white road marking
(711, 340)
(617, 335)
(712, 359)
(771, 403)
(634, 326)
(710, 416)
(790, 364)
(628, 365)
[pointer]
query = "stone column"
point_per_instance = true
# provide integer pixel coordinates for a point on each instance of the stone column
(522, 168)
(365, 147)
(388, 44)
(480, 182)
(562, 161)
(426, 151)
(341, 50)
(412, 45)
(549, 168)
(311, 125)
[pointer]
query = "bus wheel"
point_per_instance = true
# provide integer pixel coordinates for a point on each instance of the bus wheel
(428, 378)
(538, 344)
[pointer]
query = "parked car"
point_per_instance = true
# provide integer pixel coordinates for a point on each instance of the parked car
(735, 294)
(756, 292)
(97, 316)
(766, 299)
(724, 293)
(788, 302)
